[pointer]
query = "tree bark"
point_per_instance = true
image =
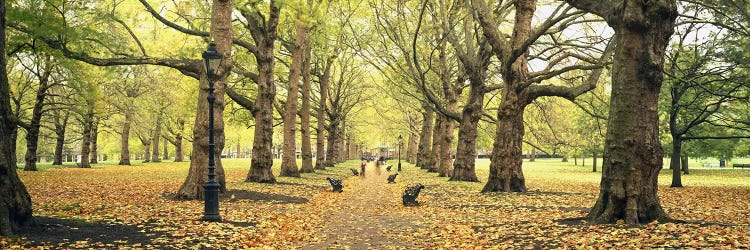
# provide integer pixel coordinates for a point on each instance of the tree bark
(446, 160)
(434, 163)
(506, 174)
(165, 151)
(94, 140)
(221, 31)
(125, 142)
(632, 151)
(425, 137)
(289, 160)
(593, 158)
(147, 150)
(32, 131)
(178, 154)
(155, 141)
(307, 162)
(675, 163)
(86, 140)
(684, 161)
(466, 150)
(15, 202)
(320, 147)
(532, 156)
(265, 36)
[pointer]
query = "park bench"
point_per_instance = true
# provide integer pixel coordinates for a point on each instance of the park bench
(354, 172)
(388, 169)
(336, 185)
(392, 178)
(741, 165)
(410, 195)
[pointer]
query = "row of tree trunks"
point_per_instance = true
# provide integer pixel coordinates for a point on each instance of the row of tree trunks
(15, 202)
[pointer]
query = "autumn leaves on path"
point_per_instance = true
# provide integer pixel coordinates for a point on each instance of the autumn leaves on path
(368, 214)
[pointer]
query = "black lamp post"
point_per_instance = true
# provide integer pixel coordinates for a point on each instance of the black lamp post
(212, 59)
(400, 140)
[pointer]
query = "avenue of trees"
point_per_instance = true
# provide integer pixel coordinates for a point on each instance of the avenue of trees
(623, 81)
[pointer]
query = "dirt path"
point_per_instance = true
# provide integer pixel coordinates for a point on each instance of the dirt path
(365, 216)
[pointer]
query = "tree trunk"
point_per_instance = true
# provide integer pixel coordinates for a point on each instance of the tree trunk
(86, 140)
(192, 187)
(262, 159)
(307, 162)
(593, 156)
(446, 160)
(94, 143)
(331, 144)
(32, 132)
(575, 160)
(532, 156)
(632, 150)
(425, 137)
(320, 147)
(165, 150)
(15, 202)
(674, 163)
(414, 145)
(506, 174)
(289, 160)
(466, 150)
(178, 154)
(684, 161)
(125, 142)
(147, 152)
(155, 141)
(565, 158)
(410, 148)
(434, 164)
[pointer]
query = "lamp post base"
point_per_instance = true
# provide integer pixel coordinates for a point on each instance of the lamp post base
(399, 166)
(211, 211)
(211, 217)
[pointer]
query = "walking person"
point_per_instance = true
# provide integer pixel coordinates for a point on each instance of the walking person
(362, 167)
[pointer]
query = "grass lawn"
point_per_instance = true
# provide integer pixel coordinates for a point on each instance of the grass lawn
(112, 206)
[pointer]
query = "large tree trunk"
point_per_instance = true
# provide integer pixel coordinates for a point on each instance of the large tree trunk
(414, 141)
(466, 150)
(15, 202)
(125, 142)
(532, 156)
(192, 187)
(425, 137)
(675, 164)
(289, 160)
(632, 151)
(506, 174)
(434, 163)
(155, 141)
(410, 148)
(86, 140)
(320, 147)
(94, 143)
(262, 159)
(307, 163)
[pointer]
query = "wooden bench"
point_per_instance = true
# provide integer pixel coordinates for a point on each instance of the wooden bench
(741, 165)
(336, 185)
(410, 195)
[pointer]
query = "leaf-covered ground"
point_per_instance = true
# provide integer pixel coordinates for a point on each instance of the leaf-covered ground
(131, 206)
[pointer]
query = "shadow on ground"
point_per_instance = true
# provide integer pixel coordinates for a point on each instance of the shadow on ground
(53, 231)
(259, 196)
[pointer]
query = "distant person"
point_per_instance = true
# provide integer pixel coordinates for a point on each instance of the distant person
(362, 167)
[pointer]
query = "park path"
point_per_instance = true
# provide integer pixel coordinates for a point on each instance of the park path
(364, 215)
